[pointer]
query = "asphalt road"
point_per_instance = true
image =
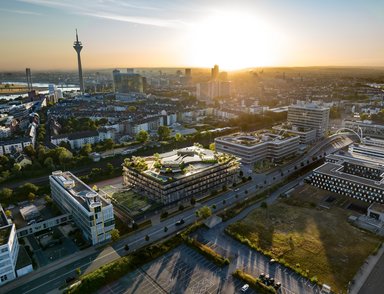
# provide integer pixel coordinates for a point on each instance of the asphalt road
(48, 278)
(374, 282)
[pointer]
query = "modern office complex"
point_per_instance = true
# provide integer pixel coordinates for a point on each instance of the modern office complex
(309, 115)
(257, 146)
(180, 174)
(9, 249)
(356, 178)
(367, 127)
(91, 212)
(128, 82)
(307, 135)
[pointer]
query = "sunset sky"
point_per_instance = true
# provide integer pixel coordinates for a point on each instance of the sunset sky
(199, 33)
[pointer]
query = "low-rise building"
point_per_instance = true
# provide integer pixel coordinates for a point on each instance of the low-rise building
(307, 135)
(79, 139)
(180, 174)
(91, 212)
(368, 128)
(258, 146)
(356, 178)
(376, 210)
(6, 147)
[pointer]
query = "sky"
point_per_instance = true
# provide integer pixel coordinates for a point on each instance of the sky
(176, 33)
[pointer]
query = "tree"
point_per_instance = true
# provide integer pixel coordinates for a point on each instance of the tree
(164, 132)
(31, 197)
(48, 200)
(142, 136)
(178, 137)
(78, 271)
(264, 205)
(204, 212)
(110, 168)
(212, 147)
(193, 201)
(8, 213)
(16, 168)
(6, 194)
(86, 149)
(30, 151)
(132, 108)
(115, 235)
(27, 188)
(48, 163)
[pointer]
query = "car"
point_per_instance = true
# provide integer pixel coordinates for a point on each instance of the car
(277, 285)
(245, 288)
(70, 279)
(272, 261)
(237, 189)
(261, 276)
(180, 222)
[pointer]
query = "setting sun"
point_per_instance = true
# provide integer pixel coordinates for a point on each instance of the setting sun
(234, 40)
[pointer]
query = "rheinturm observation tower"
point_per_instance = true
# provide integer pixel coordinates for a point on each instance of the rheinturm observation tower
(78, 46)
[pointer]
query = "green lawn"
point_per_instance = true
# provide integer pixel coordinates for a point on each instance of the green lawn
(318, 240)
(131, 200)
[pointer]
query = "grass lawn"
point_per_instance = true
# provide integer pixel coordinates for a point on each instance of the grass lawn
(131, 200)
(302, 234)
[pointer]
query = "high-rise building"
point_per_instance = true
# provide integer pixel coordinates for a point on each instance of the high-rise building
(215, 72)
(29, 78)
(188, 72)
(91, 212)
(78, 46)
(128, 82)
(9, 249)
(309, 115)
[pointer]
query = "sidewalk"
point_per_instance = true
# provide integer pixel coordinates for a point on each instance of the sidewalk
(365, 270)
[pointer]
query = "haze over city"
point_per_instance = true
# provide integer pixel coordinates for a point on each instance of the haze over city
(241, 34)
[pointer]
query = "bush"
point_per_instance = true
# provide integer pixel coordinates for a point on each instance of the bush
(207, 252)
(164, 214)
(254, 283)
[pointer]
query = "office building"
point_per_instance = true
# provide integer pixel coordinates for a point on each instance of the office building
(9, 249)
(215, 73)
(353, 177)
(368, 128)
(180, 174)
(309, 115)
(78, 46)
(257, 146)
(307, 135)
(91, 212)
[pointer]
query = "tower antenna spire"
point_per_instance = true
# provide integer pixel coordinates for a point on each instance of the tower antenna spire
(77, 38)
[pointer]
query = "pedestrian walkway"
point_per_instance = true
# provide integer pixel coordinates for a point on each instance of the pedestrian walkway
(365, 270)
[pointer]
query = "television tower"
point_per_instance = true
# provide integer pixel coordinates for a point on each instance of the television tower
(78, 46)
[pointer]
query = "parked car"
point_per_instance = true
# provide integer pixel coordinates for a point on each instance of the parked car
(70, 280)
(272, 261)
(277, 285)
(245, 288)
(180, 222)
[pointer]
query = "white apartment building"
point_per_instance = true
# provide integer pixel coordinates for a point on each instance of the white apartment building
(19, 144)
(91, 212)
(258, 146)
(79, 139)
(9, 249)
(309, 115)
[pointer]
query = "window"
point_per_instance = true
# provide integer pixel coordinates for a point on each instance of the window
(4, 278)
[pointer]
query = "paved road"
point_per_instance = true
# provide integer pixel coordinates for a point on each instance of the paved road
(48, 278)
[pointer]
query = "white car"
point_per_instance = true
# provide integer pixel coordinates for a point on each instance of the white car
(245, 288)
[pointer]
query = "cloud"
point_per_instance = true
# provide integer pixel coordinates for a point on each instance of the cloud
(116, 10)
(19, 11)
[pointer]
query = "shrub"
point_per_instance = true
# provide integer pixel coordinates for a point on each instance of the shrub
(254, 283)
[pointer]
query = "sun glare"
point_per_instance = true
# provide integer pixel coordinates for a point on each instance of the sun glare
(233, 40)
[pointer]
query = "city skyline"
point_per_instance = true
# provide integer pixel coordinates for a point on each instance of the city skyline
(39, 34)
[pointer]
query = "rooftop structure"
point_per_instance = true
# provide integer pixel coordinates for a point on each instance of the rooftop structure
(258, 146)
(179, 174)
(309, 115)
(307, 135)
(91, 212)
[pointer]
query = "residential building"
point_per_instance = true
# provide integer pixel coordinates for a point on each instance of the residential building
(257, 146)
(9, 249)
(309, 115)
(79, 139)
(356, 178)
(91, 212)
(180, 174)
(6, 147)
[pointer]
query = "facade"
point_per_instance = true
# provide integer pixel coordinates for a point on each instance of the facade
(367, 127)
(367, 151)
(180, 174)
(360, 179)
(79, 139)
(91, 212)
(258, 146)
(128, 82)
(307, 135)
(309, 115)
(6, 147)
(208, 91)
(9, 249)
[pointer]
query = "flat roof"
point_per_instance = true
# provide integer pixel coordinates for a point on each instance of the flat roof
(377, 207)
(255, 138)
(23, 259)
(80, 191)
(309, 106)
(335, 170)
